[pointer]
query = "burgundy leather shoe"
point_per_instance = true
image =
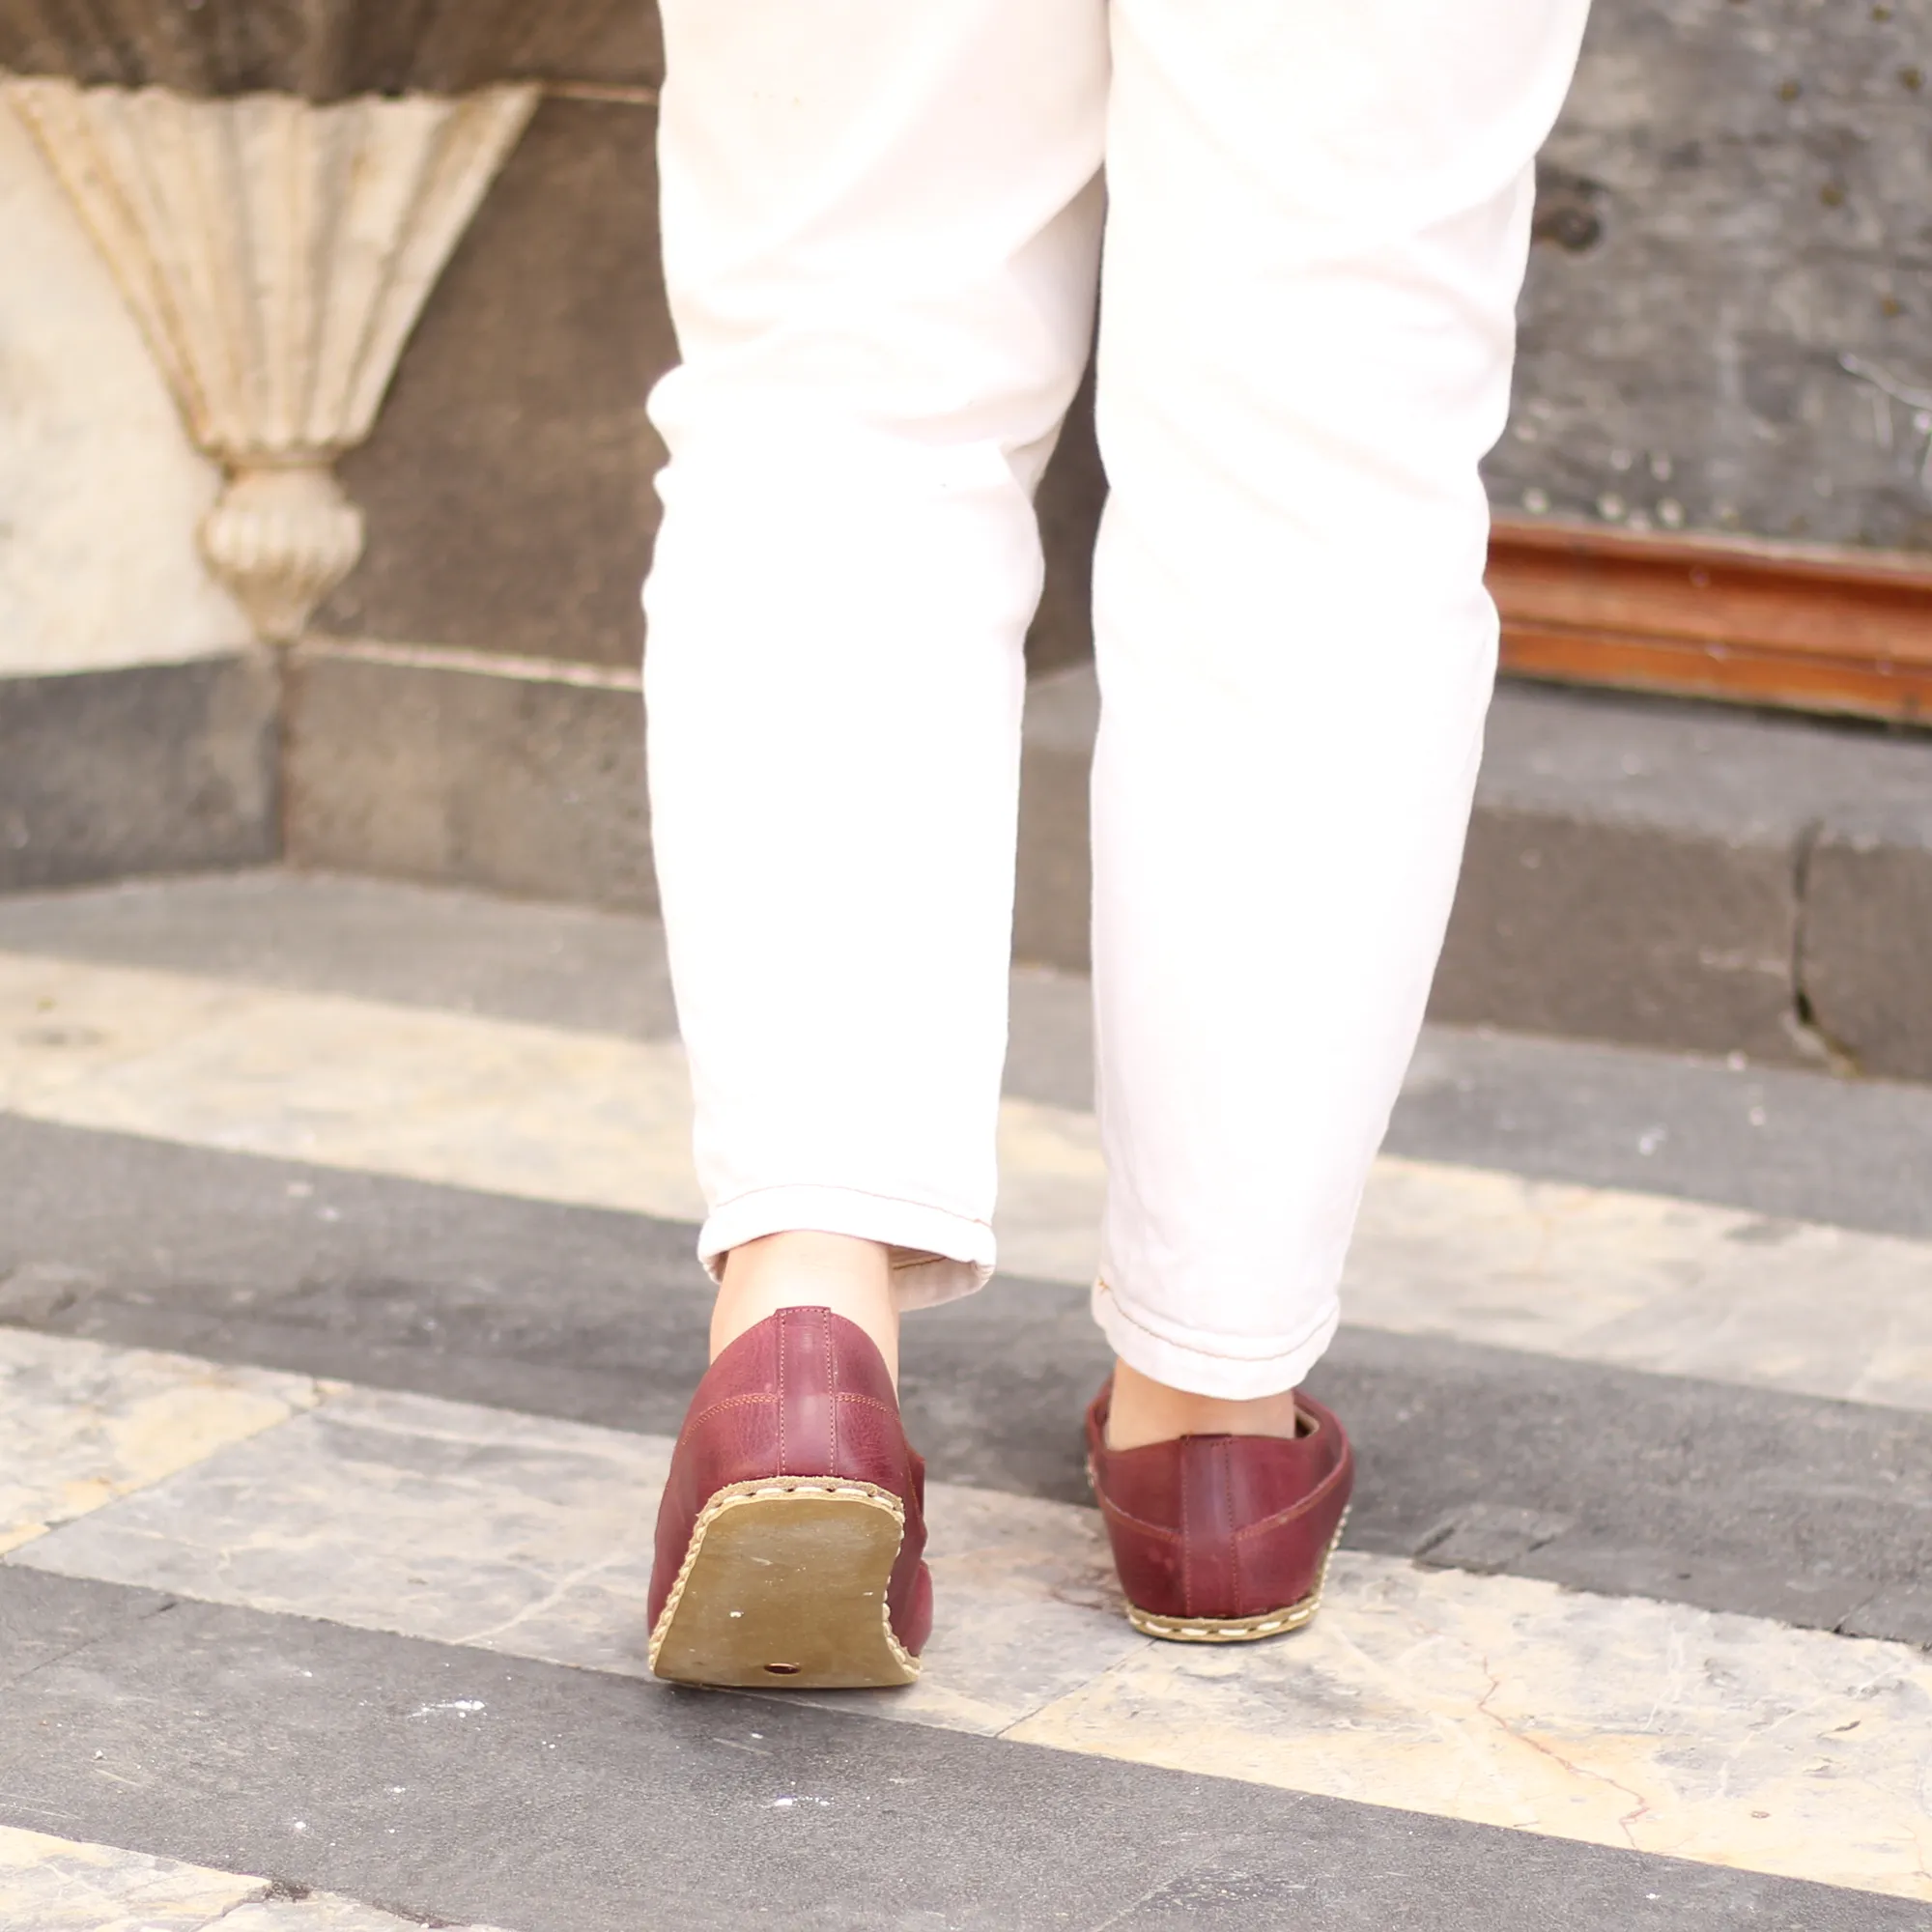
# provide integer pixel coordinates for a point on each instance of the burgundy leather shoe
(1223, 1539)
(792, 1527)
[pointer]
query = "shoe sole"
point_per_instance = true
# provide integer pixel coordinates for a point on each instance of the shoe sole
(784, 1587)
(1241, 1630)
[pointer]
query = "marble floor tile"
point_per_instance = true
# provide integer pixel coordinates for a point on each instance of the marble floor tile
(1502, 1701)
(82, 1424)
(588, 1119)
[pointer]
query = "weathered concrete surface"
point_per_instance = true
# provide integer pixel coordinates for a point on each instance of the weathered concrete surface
(1785, 1143)
(100, 490)
(1071, 496)
(526, 778)
(148, 768)
(1867, 950)
(328, 49)
(1724, 324)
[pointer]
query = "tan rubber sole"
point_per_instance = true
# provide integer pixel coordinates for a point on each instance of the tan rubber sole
(1241, 1630)
(784, 1587)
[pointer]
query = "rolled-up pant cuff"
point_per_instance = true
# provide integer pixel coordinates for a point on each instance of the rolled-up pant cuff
(937, 1255)
(1208, 1364)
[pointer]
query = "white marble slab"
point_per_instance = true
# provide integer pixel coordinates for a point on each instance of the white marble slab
(1502, 1701)
(82, 1424)
(54, 1885)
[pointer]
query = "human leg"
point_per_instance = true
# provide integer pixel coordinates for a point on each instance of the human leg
(881, 231)
(1318, 225)
(880, 242)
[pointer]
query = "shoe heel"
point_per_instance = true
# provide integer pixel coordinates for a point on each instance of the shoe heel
(783, 1586)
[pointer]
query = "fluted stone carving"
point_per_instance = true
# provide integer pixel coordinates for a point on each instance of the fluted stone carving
(278, 254)
(320, 49)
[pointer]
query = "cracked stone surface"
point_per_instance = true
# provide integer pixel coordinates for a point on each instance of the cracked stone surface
(1496, 1700)
(83, 1425)
(56, 1885)
(532, 1537)
(1511, 1702)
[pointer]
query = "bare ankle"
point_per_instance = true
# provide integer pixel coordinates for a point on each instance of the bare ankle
(1143, 1410)
(805, 1268)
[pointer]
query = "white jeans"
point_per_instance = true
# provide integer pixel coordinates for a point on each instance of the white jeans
(883, 227)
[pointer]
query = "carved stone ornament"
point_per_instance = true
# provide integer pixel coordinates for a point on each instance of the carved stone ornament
(278, 255)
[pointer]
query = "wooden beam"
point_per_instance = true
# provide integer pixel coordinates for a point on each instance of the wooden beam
(1757, 623)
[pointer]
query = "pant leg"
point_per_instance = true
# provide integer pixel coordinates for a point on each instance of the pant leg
(1320, 218)
(881, 234)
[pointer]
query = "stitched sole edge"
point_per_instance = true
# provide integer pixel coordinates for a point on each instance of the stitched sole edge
(1241, 1630)
(901, 1666)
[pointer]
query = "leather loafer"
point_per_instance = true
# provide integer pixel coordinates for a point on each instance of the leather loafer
(1223, 1539)
(791, 1536)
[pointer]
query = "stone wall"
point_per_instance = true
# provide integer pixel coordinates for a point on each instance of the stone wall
(1728, 322)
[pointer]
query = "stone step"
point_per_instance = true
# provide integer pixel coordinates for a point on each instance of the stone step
(1643, 871)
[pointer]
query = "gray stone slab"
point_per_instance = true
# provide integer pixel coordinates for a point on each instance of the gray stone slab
(1730, 1498)
(43, 1619)
(508, 481)
(1867, 952)
(1487, 1537)
(140, 768)
(1630, 1484)
(576, 966)
(421, 767)
(1788, 1145)
(1640, 872)
(1901, 1613)
(1637, 871)
(592, 1315)
(460, 1785)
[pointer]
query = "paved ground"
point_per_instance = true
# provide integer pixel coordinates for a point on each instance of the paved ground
(346, 1302)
